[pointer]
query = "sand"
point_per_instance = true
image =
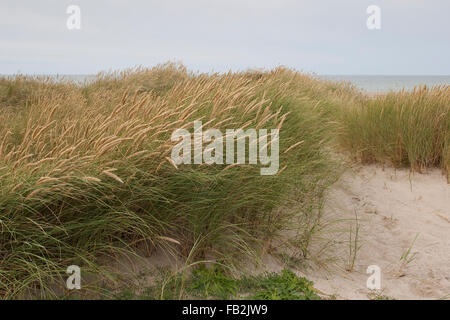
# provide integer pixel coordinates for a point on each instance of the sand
(393, 208)
(396, 212)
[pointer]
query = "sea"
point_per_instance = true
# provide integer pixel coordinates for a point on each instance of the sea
(367, 83)
(380, 83)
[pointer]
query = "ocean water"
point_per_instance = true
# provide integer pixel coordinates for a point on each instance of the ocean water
(78, 78)
(379, 83)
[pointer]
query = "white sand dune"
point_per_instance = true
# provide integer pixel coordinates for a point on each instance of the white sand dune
(393, 207)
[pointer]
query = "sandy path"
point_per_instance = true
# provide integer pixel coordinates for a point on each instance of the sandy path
(393, 207)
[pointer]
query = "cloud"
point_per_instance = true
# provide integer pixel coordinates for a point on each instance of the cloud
(325, 36)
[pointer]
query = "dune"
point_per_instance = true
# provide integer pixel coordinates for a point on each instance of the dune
(399, 214)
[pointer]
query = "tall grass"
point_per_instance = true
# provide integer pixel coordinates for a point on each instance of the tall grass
(85, 173)
(400, 128)
(84, 170)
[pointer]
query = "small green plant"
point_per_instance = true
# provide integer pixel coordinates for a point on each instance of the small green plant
(283, 286)
(125, 294)
(215, 283)
(408, 256)
(378, 296)
(212, 282)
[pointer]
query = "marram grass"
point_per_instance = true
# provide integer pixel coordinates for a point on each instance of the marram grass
(85, 171)
(86, 176)
(400, 128)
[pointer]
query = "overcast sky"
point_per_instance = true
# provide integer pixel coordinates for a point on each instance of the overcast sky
(322, 36)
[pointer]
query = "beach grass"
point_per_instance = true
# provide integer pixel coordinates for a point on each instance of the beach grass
(402, 129)
(86, 174)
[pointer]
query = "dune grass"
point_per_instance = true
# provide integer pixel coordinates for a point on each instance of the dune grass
(85, 174)
(403, 129)
(85, 170)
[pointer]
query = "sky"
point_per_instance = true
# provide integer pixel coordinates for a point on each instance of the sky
(320, 36)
